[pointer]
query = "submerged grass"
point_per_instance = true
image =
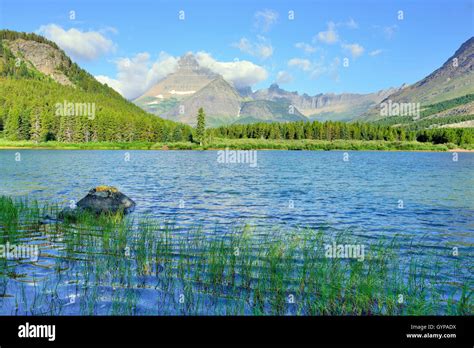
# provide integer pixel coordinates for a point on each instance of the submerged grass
(114, 266)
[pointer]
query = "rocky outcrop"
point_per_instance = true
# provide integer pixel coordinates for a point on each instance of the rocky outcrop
(101, 200)
(43, 57)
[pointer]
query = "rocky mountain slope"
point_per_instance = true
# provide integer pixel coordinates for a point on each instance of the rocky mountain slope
(219, 99)
(45, 96)
(179, 95)
(454, 79)
(269, 111)
(330, 106)
(176, 87)
(41, 56)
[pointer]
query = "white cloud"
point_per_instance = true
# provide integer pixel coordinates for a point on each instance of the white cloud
(109, 29)
(351, 24)
(240, 73)
(329, 36)
(333, 69)
(375, 52)
(307, 48)
(261, 49)
(330, 69)
(390, 31)
(283, 77)
(355, 49)
(315, 69)
(136, 75)
(303, 64)
(115, 84)
(78, 44)
(265, 19)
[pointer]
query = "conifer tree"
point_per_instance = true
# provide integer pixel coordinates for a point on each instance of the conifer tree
(201, 126)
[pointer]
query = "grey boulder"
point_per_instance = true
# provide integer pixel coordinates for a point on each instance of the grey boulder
(102, 200)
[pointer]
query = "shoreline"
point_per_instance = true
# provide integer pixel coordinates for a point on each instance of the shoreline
(4, 148)
(246, 144)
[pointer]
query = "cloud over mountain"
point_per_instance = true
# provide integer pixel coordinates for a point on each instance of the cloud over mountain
(85, 45)
(241, 73)
(135, 75)
(283, 77)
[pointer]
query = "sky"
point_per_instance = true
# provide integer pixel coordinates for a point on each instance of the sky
(306, 46)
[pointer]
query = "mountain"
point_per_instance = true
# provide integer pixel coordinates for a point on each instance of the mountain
(45, 58)
(323, 107)
(179, 95)
(269, 111)
(445, 87)
(176, 87)
(45, 96)
(219, 99)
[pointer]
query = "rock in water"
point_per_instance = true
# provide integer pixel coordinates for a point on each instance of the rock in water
(106, 199)
(101, 200)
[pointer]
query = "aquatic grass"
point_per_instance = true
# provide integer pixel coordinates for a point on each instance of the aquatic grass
(117, 265)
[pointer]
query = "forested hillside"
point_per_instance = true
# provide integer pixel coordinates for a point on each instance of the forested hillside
(447, 87)
(447, 112)
(31, 102)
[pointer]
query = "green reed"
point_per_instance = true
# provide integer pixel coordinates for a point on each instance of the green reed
(138, 266)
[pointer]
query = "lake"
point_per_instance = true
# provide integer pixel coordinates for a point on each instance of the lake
(424, 198)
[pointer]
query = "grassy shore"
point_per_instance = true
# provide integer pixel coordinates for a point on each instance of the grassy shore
(114, 266)
(242, 144)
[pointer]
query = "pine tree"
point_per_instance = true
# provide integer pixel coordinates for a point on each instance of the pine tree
(201, 126)
(12, 124)
(35, 130)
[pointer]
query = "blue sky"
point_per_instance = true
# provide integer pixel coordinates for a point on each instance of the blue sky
(131, 44)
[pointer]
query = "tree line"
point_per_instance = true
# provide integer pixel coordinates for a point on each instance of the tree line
(330, 130)
(28, 111)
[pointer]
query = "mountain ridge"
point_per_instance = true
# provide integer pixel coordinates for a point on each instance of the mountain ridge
(453, 79)
(176, 97)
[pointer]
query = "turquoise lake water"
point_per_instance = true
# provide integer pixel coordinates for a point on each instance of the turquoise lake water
(421, 197)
